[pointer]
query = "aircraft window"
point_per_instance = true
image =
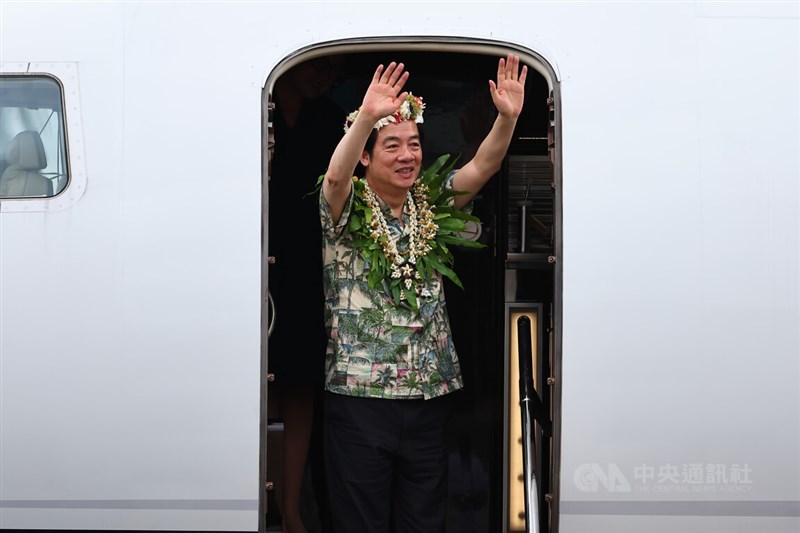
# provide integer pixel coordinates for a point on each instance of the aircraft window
(33, 152)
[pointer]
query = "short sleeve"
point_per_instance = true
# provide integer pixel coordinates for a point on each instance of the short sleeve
(326, 218)
(447, 185)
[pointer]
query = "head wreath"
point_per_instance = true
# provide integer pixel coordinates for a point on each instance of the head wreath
(411, 109)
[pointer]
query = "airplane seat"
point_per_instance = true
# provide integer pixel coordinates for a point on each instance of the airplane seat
(25, 156)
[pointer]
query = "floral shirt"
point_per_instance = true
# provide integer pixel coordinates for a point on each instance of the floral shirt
(376, 348)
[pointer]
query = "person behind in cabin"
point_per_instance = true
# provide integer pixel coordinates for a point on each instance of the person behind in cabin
(390, 361)
(304, 114)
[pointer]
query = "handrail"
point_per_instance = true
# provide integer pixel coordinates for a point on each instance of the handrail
(529, 403)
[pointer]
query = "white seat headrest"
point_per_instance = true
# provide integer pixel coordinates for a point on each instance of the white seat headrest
(26, 151)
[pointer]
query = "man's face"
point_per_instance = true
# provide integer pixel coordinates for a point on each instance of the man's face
(396, 158)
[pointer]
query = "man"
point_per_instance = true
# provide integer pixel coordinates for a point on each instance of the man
(390, 362)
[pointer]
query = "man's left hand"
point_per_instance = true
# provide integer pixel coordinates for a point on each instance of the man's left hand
(508, 93)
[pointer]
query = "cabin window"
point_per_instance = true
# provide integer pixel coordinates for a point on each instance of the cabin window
(33, 151)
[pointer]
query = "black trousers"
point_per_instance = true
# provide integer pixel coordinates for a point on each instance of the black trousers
(386, 464)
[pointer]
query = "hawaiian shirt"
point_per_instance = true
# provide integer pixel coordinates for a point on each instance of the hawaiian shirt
(375, 347)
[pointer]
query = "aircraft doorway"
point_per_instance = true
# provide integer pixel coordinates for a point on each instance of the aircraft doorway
(517, 270)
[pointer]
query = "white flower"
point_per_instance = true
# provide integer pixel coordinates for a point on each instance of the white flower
(405, 111)
(350, 119)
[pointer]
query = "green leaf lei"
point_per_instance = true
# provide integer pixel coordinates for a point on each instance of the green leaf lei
(449, 223)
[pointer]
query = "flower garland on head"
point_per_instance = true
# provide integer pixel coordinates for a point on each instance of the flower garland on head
(411, 109)
(433, 225)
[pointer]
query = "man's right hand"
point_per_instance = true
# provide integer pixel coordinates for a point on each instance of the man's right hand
(383, 95)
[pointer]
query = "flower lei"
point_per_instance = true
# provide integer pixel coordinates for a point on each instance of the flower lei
(434, 225)
(422, 230)
(411, 109)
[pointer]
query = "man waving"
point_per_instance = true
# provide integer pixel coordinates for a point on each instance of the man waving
(390, 361)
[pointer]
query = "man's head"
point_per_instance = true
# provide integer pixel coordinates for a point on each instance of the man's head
(394, 146)
(395, 159)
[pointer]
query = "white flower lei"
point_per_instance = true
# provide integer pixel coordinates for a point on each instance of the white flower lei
(422, 231)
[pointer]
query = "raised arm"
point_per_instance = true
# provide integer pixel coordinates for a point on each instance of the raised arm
(508, 95)
(382, 98)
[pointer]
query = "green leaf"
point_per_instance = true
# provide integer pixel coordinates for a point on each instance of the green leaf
(461, 241)
(396, 293)
(463, 215)
(316, 188)
(444, 166)
(451, 193)
(375, 278)
(355, 223)
(438, 265)
(451, 224)
(433, 170)
(422, 268)
(447, 257)
(411, 296)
